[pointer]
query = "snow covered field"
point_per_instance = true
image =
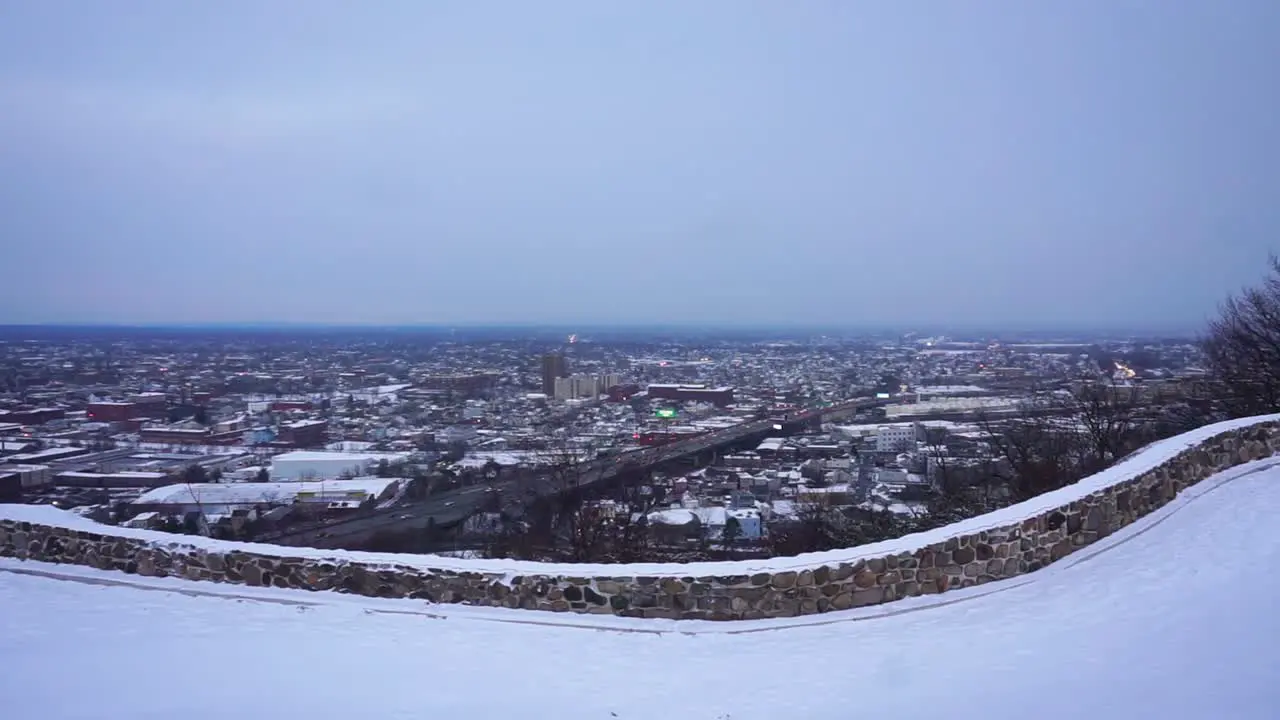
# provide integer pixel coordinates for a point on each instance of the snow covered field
(1170, 618)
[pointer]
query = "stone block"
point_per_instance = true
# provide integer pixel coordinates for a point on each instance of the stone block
(662, 613)
(871, 596)
(673, 586)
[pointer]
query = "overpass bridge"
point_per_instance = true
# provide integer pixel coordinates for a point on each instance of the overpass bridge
(453, 507)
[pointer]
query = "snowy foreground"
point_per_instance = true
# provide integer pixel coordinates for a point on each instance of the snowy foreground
(1170, 618)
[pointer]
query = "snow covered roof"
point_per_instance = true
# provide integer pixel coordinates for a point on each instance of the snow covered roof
(326, 455)
(257, 493)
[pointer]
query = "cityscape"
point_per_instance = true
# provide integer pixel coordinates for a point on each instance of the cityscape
(713, 360)
(622, 448)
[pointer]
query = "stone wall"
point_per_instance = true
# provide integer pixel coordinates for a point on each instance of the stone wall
(960, 560)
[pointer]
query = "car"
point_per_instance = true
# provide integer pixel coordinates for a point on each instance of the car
(449, 504)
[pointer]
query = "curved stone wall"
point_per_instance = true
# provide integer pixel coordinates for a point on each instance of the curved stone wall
(1010, 542)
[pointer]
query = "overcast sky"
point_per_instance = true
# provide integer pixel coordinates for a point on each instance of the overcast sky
(1072, 162)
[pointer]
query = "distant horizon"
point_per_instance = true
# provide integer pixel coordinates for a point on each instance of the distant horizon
(566, 327)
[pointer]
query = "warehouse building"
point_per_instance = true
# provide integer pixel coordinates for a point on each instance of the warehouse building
(322, 464)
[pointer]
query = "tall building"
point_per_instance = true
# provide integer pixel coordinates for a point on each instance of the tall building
(576, 387)
(581, 386)
(554, 366)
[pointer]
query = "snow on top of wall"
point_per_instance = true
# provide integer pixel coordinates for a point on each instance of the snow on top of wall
(1153, 456)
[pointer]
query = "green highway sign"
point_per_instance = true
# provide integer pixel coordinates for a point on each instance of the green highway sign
(665, 412)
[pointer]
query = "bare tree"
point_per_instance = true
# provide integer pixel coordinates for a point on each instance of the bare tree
(553, 515)
(1034, 453)
(191, 476)
(1242, 347)
(545, 514)
(636, 498)
(962, 487)
(732, 532)
(1107, 416)
(591, 531)
(819, 526)
(565, 463)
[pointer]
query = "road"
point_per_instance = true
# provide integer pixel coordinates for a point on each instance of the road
(451, 507)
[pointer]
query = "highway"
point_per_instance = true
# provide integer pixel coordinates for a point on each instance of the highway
(451, 507)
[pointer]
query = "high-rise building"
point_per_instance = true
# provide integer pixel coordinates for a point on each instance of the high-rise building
(554, 366)
(576, 387)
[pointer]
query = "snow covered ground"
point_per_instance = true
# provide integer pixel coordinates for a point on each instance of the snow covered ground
(1170, 618)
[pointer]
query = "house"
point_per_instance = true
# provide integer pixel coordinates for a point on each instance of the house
(675, 527)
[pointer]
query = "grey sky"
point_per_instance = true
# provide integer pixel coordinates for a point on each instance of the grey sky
(986, 163)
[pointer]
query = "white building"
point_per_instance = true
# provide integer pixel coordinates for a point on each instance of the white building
(576, 387)
(897, 438)
(379, 395)
(325, 465)
(749, 523)
(892, 476)
(221, 499)
(583, 386)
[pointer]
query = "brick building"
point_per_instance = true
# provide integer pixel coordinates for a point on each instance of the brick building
(111, 411)
(303, 433)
